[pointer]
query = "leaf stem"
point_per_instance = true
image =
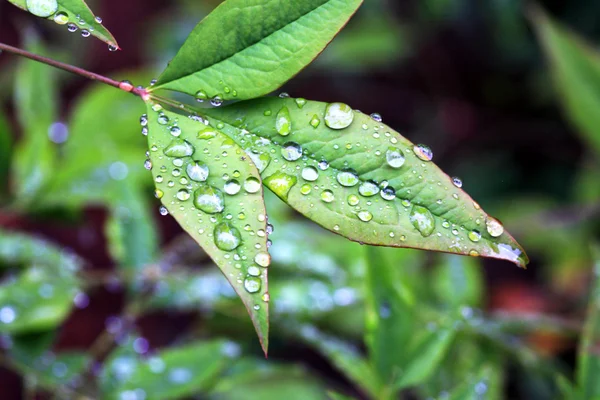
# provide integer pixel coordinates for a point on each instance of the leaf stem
(125, 86)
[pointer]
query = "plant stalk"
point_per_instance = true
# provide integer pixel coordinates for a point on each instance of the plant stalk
(125, 86)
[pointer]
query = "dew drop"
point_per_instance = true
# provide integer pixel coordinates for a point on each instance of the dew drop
(197, 171)
(338, 115)
(368, 189)
(61, 18)
(315, 121)
(291, 151)
(305, 189)
(159, 194)
(353, 200)
(376, 117)
(494, 227)
(71, 27)
(207, 134)
(232, 187)
(42, 8)
(163, 211)
(280, 183)
(183, 195)
(179, 148)
(327, 196)
(347, 178)
(227, 237)
(365, 216)
(216, 101)
(283, 122)
(201, 96)
(423, 152)
(395, 157)
(263, 259)
(310, 174)
(252, 185)
(209, 199)
(252, 284)
(422, 220)
(474, 236)
(388, 193)
(323, 165)
(457, 182)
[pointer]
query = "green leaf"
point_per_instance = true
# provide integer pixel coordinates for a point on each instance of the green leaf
(246, 49)
(321, 172)
(337, 396)
(65, 12)
(6, 143)
(169, 374)
(478, 387)
(458, 281)
(131, 233)
(35, 155)
(588, 362)
(575, 66)
(213, 189)
(38, 300)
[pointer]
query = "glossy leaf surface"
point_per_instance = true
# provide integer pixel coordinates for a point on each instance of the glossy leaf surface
(213, 189)
(69, 13)
(357, 177)
(246, 49)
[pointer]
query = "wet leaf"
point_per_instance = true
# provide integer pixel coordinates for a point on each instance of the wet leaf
(361, 179)
(172, 373)
(575, 66)
(485, 385)
(245, 50)
(71, 13)
(458, 281)
(213, 189)
(37, 300)
(35, 154)
(588, 363)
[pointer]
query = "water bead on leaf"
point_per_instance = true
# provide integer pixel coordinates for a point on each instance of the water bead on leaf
(179, 148)
(197, 171)
(209, 199)
(252, 185)
(232, 187)
(457, 182)
(61, 18)
(376, 117)
(347, 178)
(388, 193)
(252, 284)
(338, 115)
(227, 237)
(365, 216)
(310, 174)
(263, 259)
(283, 122)
(494, 227)
(42, 8)
(315, 121)
(394, 157)
(368, 189)
(183, 195)
(291, 151)
(474, 236)
(327, 196)
(422, 220)
(423, 152)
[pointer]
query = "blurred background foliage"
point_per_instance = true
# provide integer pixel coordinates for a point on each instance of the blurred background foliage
(101, 297)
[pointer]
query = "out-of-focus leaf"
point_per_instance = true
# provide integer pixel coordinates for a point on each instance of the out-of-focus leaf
(131, 232)
(6, 143)
(390, 316)
(214, 191)
(364, 181)
(338, 396)
(458, 281)
(73, 12)
(244, 50)
(254, 380)
(172, 373)
(37, 300)
(586, 188)
(482, 386)
(98, 157)
(35, 155)
(17, 249)
(588, 362)
(576, 70)
(343, 356)
(426, 357)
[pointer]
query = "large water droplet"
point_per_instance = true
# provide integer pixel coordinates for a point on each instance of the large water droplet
(338, 115)
(280, 183)
(291, 151)
(310, 174)
(388, 193)
(327, 196)
(494, 227)
(423, 220)
(394, 157)
(474, 236)
(252, 284)
(423, 152)
(61, 18)
(197, 171)
(368, 189)
(252, 185)
(183, 195)
(347, 178)
(179, 148)
(232, 187)
(42, 8)
(365, 216)
(209, 199)
(457, 182)
(263, 259)
(283, 122)
(315, 121)
(227, 237)
(261, 160)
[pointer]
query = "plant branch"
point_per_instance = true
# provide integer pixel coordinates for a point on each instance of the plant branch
(125, 86)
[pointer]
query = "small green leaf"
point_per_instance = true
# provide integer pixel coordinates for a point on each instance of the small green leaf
(71, 13)
(213, 189)
(244, 50)
(478, 387)
(173, 373)
(337, 396)
(35, 154)
(458, 281)
(359, 178)
(575, 66)
(588, 363)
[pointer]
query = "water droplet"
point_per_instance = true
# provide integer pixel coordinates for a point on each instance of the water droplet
(266, 297)
(7, 315)
(368, 189)
(327, 196)
(310, 174)
(395, 157)
(353, 199)
(376, 117)
(494, 227)
(457, 182)
(42, 8)
(98, 19)
(347, 178)
(207, 134)
(474, 253)
(232, 187)
(474, 236)
(252, 185)
(183, 195)
(283, 122)
(227, 237)
(323, 165)
(148, 165)
(365, 216)
(261, 160)
(175, 131)
(197, 171)
(216, 101)
(85, 33)
(423, 152)
(284, 95)
(315, 121)
(388, 193)
(280, 183)
(338, 115)
(71, 27)
(61, 18)
(422, 220)
(179, 148)
(291, 151)
(263, 259)
(201, 96)
(300, 102)
(158, 194)
(163, 211)
(305, 189)
(209, 199)
(252, 284)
